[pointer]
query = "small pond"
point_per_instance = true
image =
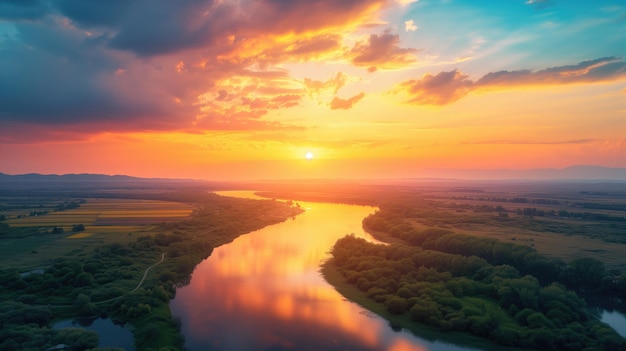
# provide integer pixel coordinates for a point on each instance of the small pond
(110, 334)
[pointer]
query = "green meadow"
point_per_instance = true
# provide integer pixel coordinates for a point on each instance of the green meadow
(106, 221)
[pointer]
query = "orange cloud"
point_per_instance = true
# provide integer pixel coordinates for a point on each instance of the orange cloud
(441, 89)
(345, 104)
(316, 87)
(447, 87)
(382, 52)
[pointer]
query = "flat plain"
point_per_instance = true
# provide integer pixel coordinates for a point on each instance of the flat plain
(105, 220)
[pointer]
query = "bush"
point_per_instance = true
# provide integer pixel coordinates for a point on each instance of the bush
(396, 305)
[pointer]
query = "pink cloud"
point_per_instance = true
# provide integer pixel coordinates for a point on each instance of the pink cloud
(448, 87)
(440, 89)
(345, 104)
(382, 52)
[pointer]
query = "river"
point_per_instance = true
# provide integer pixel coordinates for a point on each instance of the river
(264, 291)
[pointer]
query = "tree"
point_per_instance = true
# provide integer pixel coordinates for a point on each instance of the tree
(396, 305)
(84, 305)
(78, 228)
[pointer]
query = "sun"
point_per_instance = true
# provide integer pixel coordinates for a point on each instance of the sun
(309, 155)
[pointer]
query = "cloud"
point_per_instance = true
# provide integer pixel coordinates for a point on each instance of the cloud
(153, 27)
(602, 69)
(540, 4)
(440, 89)
(145, 65)
(447, 87)
(18, 10)
(382, 52)
(540, 142)
(275, 103)
(316, 88)
(410, 26)
(345, 104)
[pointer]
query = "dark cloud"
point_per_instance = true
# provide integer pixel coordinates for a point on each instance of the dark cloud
(22, 9)
(50, 76)
(153, 27)
(382, 51)
(448, 87)
(127, 65)
(160, 26)
(93, 13)
(345, 104)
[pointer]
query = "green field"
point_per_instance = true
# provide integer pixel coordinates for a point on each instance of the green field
(106, 221)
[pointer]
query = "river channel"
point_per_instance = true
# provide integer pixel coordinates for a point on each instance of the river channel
(264, 291)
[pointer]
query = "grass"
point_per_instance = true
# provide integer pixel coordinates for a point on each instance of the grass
(107, 221)
(95, 210)
(557, 237)
(79, 235)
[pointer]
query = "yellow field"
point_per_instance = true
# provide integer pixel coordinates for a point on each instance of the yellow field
(106, 221)
(110, 212)
(79, 235)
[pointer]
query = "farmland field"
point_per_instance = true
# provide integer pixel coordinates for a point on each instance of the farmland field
(109, 212)
(106, 221)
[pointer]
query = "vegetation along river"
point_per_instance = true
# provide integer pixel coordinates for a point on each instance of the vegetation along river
(264, 291)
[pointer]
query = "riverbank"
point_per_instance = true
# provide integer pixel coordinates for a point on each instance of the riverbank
(332, 275)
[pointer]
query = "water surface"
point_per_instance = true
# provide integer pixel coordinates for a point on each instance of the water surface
(264, 291)
(110, 334)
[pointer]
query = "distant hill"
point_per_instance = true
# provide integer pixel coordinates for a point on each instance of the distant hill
(35, 177)
(68, 182)
(578, 172)
(572, 173)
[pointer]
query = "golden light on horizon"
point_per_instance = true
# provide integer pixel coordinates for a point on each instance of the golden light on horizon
(309, 155)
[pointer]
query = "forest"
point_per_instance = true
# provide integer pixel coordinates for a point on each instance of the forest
(507, 293)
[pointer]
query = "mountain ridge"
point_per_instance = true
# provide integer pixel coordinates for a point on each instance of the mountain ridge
(574, 172)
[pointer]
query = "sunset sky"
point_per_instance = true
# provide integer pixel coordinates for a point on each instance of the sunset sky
(243, 89)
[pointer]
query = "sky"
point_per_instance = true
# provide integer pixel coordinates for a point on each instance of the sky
(244, 89)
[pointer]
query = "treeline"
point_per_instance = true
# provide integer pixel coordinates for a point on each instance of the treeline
(589, 216)
(602, 206)
(584, 274)
(467, 293)
(516, 200)
(7, 231)
(41, 211)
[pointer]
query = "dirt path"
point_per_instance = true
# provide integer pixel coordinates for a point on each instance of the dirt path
(145, 274)
(143, 278)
